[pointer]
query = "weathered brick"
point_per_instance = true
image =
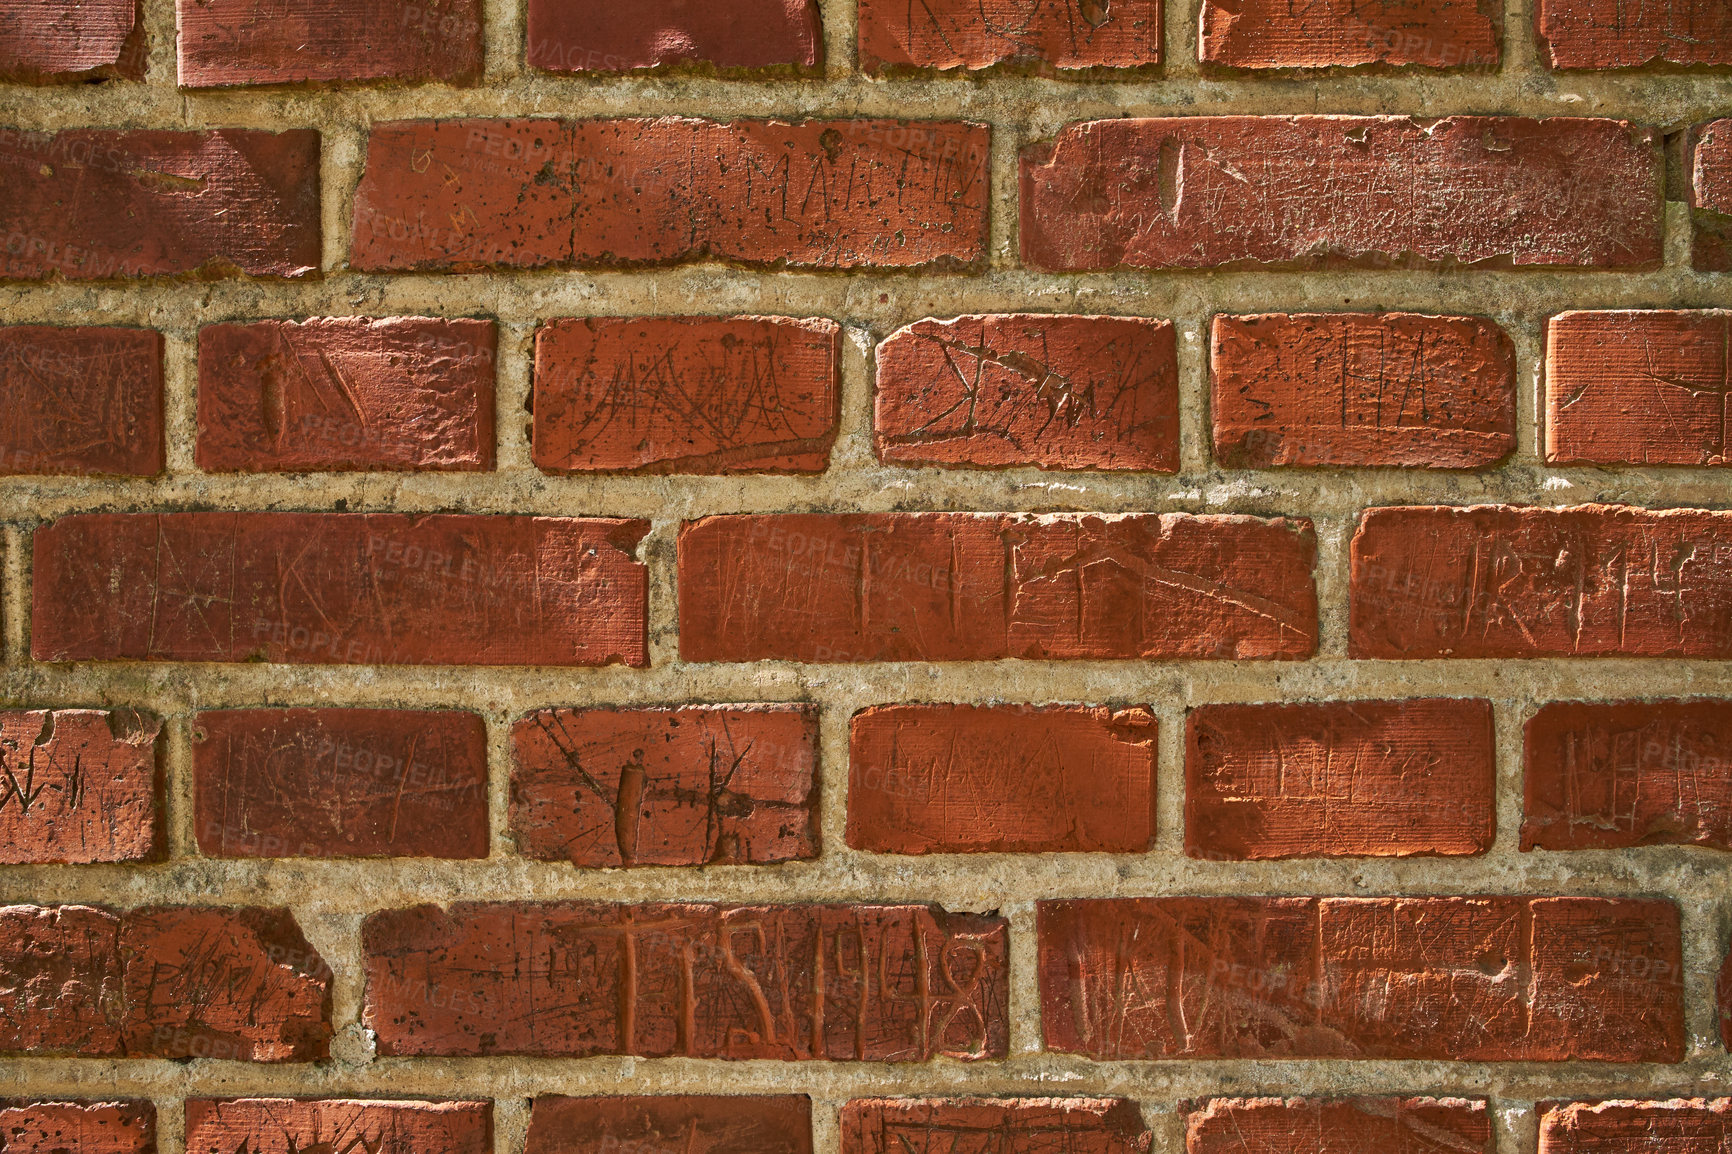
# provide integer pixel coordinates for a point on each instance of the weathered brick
(700, 785)
(1340, 779)
(1009, 778)
(567, 37)
(960, 34)
(1345, 33)
(843, 194)
(1624, 773)
(367, 588)
(1613, 34)
(1333, 191)
(297, 1125)
(1060, 392)
(55, 40)
(1676, 1126)
(994, 1125)
(1361, 389)
(859, 982)
(1710, 163)
(79, 786)
(346, 393)
(84, 400)
(95, 204)
(686, 394)
(61, 989)
(689, 1123)
(1462, 979)
(231, 42)
(1502, 581)
(340, 783)
(985, 586)
(125, 1127)
(1337, 1126)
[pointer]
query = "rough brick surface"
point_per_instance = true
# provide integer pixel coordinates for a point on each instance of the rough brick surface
(701, 785)
(1276, 34)
(844, 194)
(1009, 778)
(1612, 34)
(229, 42)
(1710, 159)
(92, 204)
(83, 400)
(340, 783)
(339, 588)
(581, 37)
(71, 39)
(688, 1123)
(1340, 779)
(869, 983)
(686, 394)
(1498, 581)
(127, 1127)
(79, 786)
(300, 1126)
(1337, 1126)
(1488, 979)
(1666, 1127)
(1328, 191)
(994, 1125)
(957, 34)
(979, 587)
(1004, 390)
(1326, 389)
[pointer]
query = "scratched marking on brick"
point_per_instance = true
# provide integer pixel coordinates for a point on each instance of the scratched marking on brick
(1337, 1126)
(123, 1127)
(1347, 33)
(71, 40)
(843, 983)
(1617, 34)
(1675, 1126)
(80, 400)
(670, 1124)
(337, 1126)
(994, 1126)
(566, 37)
(960, 34)
(1709, 152)
(227, 42)
(78, 786)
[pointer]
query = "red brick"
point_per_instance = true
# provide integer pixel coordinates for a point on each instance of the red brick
(566, 37)
(465, 194)
(1001, 779)
(340, 783)
(126, 1127)
(994, 1125)
(1462, 979)
(1502, 581)
(1677, 1126)
(293, 1126)
(1615, 34)
(686, 394)
(1005, 390)
(55, 40)
(83, 400)
(1624, 773)
(367, 588)
(700, 785)
(231, 42)
(1337, 1126)
(960, 34)
(1340, 779)
(573, 979)
(346, 393)
(1345, 33)
(78, 786)
(986, 586)
(94, 204)
(1710, 159)
(686, 1123)
(1361, 389)
(1342, 191)
(61, 989)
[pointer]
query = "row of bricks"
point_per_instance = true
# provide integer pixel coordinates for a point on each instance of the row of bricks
(225, 42)
(1190, 192)
(718, 395)
(738, 784)
(1481, 978)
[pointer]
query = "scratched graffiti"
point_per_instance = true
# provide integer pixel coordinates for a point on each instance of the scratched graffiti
(78, 786)
(671, 1124)
(972, 35)
(1346, 33)
(336, 1126)
(1619, 34)
(994, 1126)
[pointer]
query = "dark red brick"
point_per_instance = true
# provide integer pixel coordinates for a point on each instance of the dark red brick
(1502, 581)
(1361, 389)
(79, 786)
(59, 40)
(232, 42)
(339, 588)
(567, 37)
(338, 1125)
(346, 393)
(957, 34)
(1710, 160)
(1342, 191)
(1615, 34)
(1345, 33)
(1457, 979)
(572, 979)
(340, 783)
(61, 987)
(95, 204)
(125, 1127)
(985, 586)
(994, 1126)
(686, 394)
(1337, 1126)
(843, 194)
(1340, 779)
(686, 1123)
(82, 400)
(1676, 1126)
(700, 785)
(1002, 390)
(1001, 779)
